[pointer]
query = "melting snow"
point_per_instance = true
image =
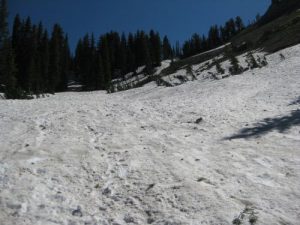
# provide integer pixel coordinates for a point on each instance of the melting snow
(140, 157)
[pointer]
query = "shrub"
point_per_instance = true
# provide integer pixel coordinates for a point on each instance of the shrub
(219, 68)
(252, 63)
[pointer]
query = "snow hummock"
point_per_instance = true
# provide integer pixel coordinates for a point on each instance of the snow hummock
(139, 157)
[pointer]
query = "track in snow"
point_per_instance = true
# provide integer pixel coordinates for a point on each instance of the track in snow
(139, 157)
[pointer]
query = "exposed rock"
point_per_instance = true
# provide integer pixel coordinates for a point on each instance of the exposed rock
(199, 120)
(77, 212)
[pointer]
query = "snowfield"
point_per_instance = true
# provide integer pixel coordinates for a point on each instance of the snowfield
(205, 152)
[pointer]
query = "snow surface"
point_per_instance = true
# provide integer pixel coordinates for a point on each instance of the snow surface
(132, 80)
(138, 157)
(205, 70)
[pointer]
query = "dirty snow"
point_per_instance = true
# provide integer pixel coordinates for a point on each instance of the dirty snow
(207, 69)
(132, 79)
(205, 152)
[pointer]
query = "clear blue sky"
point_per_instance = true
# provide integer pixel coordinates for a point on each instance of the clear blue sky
(178, 19)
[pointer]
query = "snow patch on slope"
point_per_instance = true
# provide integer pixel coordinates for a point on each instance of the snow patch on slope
(140, 157)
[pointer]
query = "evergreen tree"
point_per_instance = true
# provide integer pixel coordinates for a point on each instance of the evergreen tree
(78, 60)
(186, 49)
(205, 44)
(45, 64)
(16, 32)
(123, 55)
(113, 41)
(214, 39)
(155, 48)
(252, 63)
(17, 45)
(3, 36)
(262, 61)
(144, 51)
(7, 60)
(223, 34)
(8, 70)
(55, 58)
(65, 64)
(100, 76)
(85, 62)
(25, 56)
(167, 49)
(239, 24)
(44, 54)
(196, 43)
(104, 49)
(177, 49)
(235, 67)
(230, 28)
(131, 57)
(219, 68)
(33, 68)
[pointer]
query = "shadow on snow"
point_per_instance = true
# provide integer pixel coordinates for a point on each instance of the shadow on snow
(281, 124)
(296, 102)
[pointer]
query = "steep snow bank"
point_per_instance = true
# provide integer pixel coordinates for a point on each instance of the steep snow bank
(139, 157)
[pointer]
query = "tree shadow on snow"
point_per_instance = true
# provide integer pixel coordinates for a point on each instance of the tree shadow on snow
(295, 102)
(281, 124)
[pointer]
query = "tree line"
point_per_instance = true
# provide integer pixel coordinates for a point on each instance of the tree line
(43, 61)
(34, 61)
(112, 56)
(216, 37)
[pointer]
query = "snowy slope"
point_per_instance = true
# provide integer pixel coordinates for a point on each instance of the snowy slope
(138, 157)
(134, 79)
(207, 69)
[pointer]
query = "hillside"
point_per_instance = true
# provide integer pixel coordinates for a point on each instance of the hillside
(279, 8)
(205, 152)
(279, 28)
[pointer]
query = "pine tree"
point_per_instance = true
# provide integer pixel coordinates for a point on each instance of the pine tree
(55, 58)
(65, 65)
(167, 49)
(9, 71)
(39, 84)
(16, 32)
(230, 28)
(7, 59)
(252, 63)
(131, 61)
(196, 43)
(205, 44)
(214, 39)
(83, 53)
(155, 48)
(104, 49)
(239, 24)
(158, 50)
(17, 45)
(27, 56)
(123, 55)
(44, 54)
(186, 49)
(100, 76)
(219, 68)
(223, 34)
(177, 49)
(77, 60)
(3, 36)
(235, 67)
(34, 65)
(144, 51)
